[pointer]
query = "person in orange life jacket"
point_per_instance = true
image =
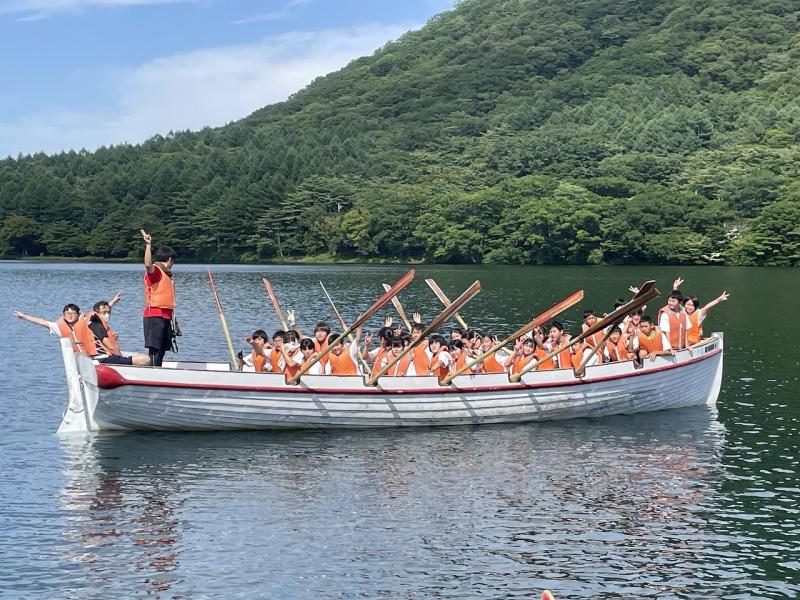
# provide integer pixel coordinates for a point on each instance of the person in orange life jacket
(589, 320)
(343, 357)
(494, 363)
(696, 315)
(673, 322)
(400, 368)
(616, 346)
(64, 326)
(159, 293)
(649, 342)
(385, 336)
(522, 355)
(104, 341)
(276, 362)
(420, 359)
(258, 359)
(440, 358)
(307, 353)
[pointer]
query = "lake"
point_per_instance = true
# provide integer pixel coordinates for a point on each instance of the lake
(698, 503)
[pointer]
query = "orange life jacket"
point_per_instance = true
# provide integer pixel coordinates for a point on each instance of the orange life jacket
(491, 365)
(342, 364)
(69, 333)
(565, 359)
(422, 364)
(89, 341)
(547, 365)
(651, 343)
(259, 361)
(275, 357)
(577, 358)
(695, 332)
(320, 347)
(378, 364)
(520, 362)
(441, 371)
(617, 352)
(160, 294)
(461, 361)
(677, 327)
(594, 339)
(398, 369)
(291, 368)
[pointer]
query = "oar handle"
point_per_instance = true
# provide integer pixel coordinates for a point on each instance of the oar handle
(274, 299)
(551, 312)
(399, 308)
(221, 313)
(433, 326)
(444, 300)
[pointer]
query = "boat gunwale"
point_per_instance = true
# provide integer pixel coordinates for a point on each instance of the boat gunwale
(117, 380)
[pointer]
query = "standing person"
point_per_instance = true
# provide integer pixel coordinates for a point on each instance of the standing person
(695, 315)
(159, 300)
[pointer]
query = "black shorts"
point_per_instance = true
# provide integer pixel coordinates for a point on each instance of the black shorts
(117, 360)
(157, 333)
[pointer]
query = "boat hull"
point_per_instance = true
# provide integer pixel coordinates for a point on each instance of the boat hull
(142, 398)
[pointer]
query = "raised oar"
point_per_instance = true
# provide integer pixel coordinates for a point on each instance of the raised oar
(444, 300)
(646, 293)
(275, 304)
(234, 361)
(551, 312)
(399, 308)
(344, 325)
(434, 325)
(379, 303)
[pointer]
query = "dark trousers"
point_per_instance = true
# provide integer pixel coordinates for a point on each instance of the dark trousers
(157, 338)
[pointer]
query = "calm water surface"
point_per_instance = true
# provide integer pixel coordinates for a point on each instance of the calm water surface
(694, 503)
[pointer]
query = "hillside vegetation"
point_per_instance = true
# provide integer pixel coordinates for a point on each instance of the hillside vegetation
(504, 131)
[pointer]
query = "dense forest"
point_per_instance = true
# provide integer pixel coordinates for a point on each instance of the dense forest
(504, 131)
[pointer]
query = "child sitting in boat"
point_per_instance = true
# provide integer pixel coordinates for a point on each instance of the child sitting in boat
(258, 360)
(343, 358)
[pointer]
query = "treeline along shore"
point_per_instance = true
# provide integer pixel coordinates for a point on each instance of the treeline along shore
(504, 131)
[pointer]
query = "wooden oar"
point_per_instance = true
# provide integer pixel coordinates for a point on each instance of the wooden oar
(344, 326)
(645, 294)
(234, 361)
(581, 369)
(551, 312)
(275, 304)
(434, 325)
(379, 303)
(399, 308)
(444, 300)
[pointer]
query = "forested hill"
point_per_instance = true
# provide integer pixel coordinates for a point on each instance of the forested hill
(504, 131)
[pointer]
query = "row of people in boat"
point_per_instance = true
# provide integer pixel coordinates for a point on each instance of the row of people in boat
(639, 337)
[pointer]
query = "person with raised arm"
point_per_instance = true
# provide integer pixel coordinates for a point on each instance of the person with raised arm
(695, 315)
(100, 342)
(64, 326)
(159, 300)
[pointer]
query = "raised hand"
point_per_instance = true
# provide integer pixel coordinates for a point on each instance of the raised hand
(416, 317)
(148, 239)
(633, 289)
(677, 283)
(388, 322)
(117, 297)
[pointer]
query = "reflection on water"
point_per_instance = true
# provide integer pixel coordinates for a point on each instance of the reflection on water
(617, 504)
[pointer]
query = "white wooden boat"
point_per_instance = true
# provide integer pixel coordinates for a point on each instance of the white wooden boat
(209, 396)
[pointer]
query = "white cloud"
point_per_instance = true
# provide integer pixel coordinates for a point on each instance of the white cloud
(277, 15)
(32, 10)
(189, 91)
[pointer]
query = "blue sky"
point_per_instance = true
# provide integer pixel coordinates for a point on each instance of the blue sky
(87, 73)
